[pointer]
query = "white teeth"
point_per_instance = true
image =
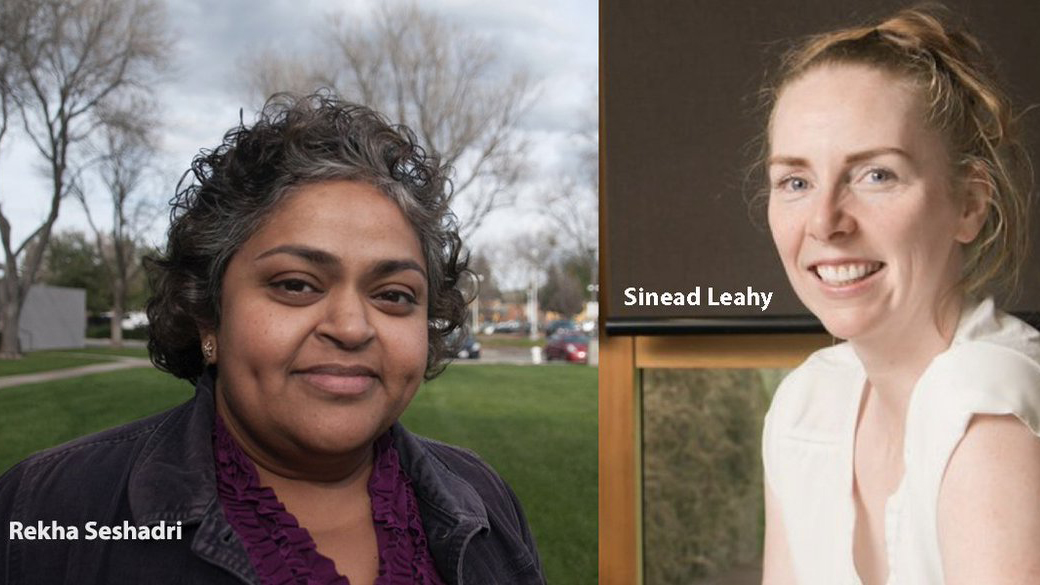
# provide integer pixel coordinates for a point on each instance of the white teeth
(842, 274)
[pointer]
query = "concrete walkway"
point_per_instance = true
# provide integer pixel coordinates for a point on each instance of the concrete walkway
(117, 363)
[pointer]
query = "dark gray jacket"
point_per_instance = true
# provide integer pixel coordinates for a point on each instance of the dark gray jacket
(160, 469)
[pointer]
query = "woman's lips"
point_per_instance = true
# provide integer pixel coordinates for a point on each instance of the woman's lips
(340, 380)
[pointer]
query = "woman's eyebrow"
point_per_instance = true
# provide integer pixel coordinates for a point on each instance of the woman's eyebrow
(872, 152)
(312, 255)
(388, 267)
(794, 161)
(326, 260)
(790, 161)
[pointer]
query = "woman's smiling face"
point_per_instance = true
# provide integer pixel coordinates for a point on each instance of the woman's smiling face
(323, 335)
(864, 208)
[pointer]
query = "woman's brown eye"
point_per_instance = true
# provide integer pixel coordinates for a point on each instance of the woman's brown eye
(294, 285)
(399, 297)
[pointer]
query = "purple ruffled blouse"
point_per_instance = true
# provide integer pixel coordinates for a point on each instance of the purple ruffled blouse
(282, 552)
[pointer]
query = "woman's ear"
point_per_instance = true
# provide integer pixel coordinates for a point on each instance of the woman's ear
(208, 339)
(977, 197)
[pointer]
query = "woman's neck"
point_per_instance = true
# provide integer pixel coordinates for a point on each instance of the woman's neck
(323, 506)
(325, 494)
(286, 463)
(895, 359)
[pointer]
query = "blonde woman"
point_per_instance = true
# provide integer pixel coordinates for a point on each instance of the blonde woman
(898, 198)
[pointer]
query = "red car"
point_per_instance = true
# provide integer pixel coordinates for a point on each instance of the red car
(569, 346)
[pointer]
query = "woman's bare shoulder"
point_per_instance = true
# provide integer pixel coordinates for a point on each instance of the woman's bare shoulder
(989, 504)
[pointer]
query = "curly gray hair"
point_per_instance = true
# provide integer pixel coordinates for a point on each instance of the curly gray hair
(229, 192)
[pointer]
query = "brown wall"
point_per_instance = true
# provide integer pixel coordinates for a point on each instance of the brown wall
(679, 85)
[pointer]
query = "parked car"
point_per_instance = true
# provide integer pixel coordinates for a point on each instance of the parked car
(468, 349)
(135, 320)
(512, 326)
(569, 346)
(560, 325)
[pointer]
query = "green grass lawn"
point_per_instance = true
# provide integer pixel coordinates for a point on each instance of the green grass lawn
(535, 425)
(139, 352)
(41, 361)
(37, 416)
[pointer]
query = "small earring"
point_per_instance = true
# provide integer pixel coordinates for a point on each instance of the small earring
(207, 349)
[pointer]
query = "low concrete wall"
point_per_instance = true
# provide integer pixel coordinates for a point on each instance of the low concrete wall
(53, 317)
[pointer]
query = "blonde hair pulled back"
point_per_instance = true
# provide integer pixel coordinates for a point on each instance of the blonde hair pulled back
(964, 102)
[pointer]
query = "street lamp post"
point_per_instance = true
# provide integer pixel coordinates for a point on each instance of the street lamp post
(475, 305)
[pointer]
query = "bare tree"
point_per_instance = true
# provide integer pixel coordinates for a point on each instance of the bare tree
(125, 143)
(523, 258)
(571, 200)
(17, 20)
(270, 71)
(488, 284)
(74, 54)
(571, 207)
(446, 83)
(12, 26)
(562, 292)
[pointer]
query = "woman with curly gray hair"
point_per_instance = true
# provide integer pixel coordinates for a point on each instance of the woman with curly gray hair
(309, 284)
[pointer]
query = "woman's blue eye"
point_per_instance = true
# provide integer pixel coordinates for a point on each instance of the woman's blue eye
(879, 175)
(793, 184)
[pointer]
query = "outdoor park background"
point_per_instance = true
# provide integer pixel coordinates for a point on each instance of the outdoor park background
(83, 199)
(536, 425)
(105, 102)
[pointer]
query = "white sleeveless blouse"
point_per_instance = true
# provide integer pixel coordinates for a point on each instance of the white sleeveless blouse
(991, 367)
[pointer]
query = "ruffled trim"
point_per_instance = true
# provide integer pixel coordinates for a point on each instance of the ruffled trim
(404, 557)
(283, 553)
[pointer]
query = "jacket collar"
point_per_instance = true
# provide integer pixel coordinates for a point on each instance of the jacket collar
(436, 485)
(174, 477)
(452, 510)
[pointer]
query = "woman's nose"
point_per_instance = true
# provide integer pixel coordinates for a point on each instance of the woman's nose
(346, 321)
(831, 214)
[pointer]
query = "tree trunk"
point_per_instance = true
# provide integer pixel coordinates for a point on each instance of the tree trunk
(117, 315)
(116, 329)
(10, 348)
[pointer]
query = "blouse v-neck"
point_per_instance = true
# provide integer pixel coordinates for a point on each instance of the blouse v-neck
(991, 367)
(894, 501)
(283, 553)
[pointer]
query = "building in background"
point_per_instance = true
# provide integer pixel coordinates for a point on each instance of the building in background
(53, 317)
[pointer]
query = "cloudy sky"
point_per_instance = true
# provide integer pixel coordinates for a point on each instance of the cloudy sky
(555, 40)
